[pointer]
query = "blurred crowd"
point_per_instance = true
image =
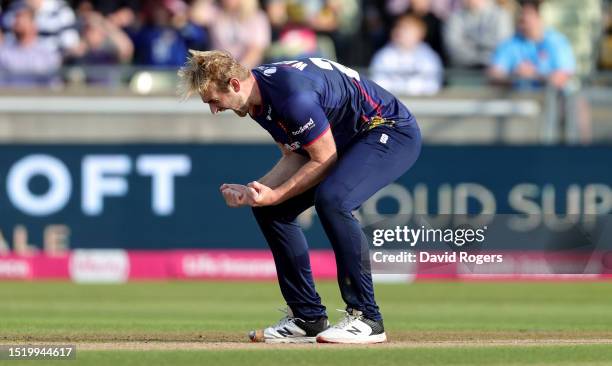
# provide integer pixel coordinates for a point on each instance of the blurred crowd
(406, 45)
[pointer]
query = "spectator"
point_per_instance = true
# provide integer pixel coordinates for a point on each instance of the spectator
(379, 15)
(122, 13)
(423, 10)
(166, 34)
(25, 60)
(395, 8)
(323, 15)
(203, 12)
(535, 55)
(55, 21)
(276, 11)
(296, 39)
(102, 44)
(441, 8)
(407, 65)
(473, 32)
(241, 28)
(444, 8)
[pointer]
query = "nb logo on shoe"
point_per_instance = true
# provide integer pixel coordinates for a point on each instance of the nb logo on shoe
(285, 332)
(354, 330)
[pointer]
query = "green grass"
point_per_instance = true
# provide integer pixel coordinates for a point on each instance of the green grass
(201, 311)
(40, 308)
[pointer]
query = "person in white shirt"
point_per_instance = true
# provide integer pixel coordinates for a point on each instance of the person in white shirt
(55, 20)
(407, 65)
(472, 33)
(26, 61)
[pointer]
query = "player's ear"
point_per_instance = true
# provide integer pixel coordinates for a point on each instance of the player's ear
(235, 84)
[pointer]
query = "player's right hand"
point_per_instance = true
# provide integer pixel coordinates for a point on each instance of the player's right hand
(236, 195)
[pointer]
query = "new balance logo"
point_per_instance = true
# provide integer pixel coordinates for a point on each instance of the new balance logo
(285, 332)
(354, 330)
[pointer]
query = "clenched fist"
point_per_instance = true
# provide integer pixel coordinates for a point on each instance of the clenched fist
(238, 195)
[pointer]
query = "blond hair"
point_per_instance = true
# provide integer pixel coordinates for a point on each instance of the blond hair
(206, 68)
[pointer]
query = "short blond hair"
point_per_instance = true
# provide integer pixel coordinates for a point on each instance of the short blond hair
(206, 68)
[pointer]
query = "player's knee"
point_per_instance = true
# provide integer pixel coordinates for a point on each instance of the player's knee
(328, 200)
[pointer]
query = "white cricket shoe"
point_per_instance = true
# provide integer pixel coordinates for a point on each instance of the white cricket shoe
(354, 328)
(290, 330)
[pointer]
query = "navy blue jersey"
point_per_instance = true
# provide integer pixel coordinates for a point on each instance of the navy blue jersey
(302, 99)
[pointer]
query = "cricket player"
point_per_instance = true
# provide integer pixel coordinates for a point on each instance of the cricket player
(342, 139)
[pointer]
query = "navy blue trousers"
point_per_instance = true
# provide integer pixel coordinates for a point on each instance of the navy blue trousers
(374, 160)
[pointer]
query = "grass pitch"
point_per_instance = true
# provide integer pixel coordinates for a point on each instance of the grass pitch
(428, 323)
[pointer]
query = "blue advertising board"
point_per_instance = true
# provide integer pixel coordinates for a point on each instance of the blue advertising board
(166, 196)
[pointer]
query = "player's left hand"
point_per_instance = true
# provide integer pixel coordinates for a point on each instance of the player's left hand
(265, 196)
(237, 195)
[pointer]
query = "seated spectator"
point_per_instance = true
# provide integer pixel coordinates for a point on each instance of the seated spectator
(473, 32)
(335, 24)
(26, 61)
(102, 44)
(276, 11)
(166, 34)
(296, 39)
(444, 8)
(407, 65)
(321, 16)
(122, 13)
(203, 12)
(241, 28)
(423, 10)
(535, 55)
(55, 21)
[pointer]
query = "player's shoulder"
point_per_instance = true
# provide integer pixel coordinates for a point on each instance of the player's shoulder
(283, 68)
(284, 80)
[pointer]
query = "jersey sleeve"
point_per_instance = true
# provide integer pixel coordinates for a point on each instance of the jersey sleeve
(304, 119)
